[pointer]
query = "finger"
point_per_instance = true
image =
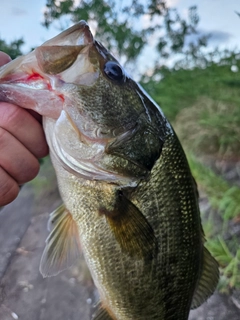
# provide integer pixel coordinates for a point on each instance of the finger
(9, 188)
(16, 160)
(24, 127)
(4, 58)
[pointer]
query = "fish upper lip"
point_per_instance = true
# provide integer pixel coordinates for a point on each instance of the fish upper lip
(87, 33)
(83, 27)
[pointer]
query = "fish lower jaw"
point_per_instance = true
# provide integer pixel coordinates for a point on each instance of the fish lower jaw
(38, 98)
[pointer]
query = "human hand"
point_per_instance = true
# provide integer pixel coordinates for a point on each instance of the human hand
(22, 142)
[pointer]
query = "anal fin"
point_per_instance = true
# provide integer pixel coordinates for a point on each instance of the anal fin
(131, 229)
(62, 245)
(208, 280)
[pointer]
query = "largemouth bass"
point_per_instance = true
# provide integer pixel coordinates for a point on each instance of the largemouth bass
(130, 202)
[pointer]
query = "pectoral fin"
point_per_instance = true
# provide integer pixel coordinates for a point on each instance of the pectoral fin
(101, 313)
(131, 229)
(62, 245)
(208, 280)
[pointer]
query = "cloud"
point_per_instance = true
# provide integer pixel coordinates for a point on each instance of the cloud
(215, 37)
(172, 3)
(18, 11)
(218, 37)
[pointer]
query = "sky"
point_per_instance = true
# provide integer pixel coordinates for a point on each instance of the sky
(22, 18)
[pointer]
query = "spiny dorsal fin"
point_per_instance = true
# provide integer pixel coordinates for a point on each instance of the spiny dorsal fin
(208, 280)
(62, 245)
(131, 229)
(101, 313)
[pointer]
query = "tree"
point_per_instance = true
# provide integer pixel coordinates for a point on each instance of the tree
(13, 49)
(126, 29)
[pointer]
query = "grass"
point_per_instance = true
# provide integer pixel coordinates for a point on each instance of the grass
(222, 196)
(210, 127)
(229, 263)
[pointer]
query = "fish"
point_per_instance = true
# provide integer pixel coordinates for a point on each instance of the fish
(130, 202)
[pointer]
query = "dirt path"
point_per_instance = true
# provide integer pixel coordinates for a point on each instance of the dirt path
(25, 295)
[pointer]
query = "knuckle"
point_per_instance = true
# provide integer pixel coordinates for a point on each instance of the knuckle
(44, 150)
(30, 171)
(34, 170)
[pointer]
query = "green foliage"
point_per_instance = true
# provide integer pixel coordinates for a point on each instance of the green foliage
(180, 88)
(45, 179)
(117, 24)
(13, 49)
(229, 263)
(210, 127)
(222, 196)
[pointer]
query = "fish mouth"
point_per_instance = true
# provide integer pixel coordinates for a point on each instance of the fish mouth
(36, 80)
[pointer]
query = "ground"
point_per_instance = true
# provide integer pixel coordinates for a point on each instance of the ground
(71, 295)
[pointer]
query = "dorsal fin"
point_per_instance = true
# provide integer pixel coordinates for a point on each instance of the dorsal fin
(62, 245)
(208, 280)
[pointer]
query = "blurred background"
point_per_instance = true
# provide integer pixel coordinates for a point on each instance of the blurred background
(185, 53)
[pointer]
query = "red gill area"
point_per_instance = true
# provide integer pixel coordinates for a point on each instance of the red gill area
(61, 96)
(36, 76)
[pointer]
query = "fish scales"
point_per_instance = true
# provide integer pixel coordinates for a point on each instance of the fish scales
(165, 277)
(130, 203)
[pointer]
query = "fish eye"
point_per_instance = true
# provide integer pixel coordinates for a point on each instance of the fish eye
(113, 71)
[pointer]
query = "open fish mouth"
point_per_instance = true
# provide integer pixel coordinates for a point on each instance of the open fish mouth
(36, 80)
